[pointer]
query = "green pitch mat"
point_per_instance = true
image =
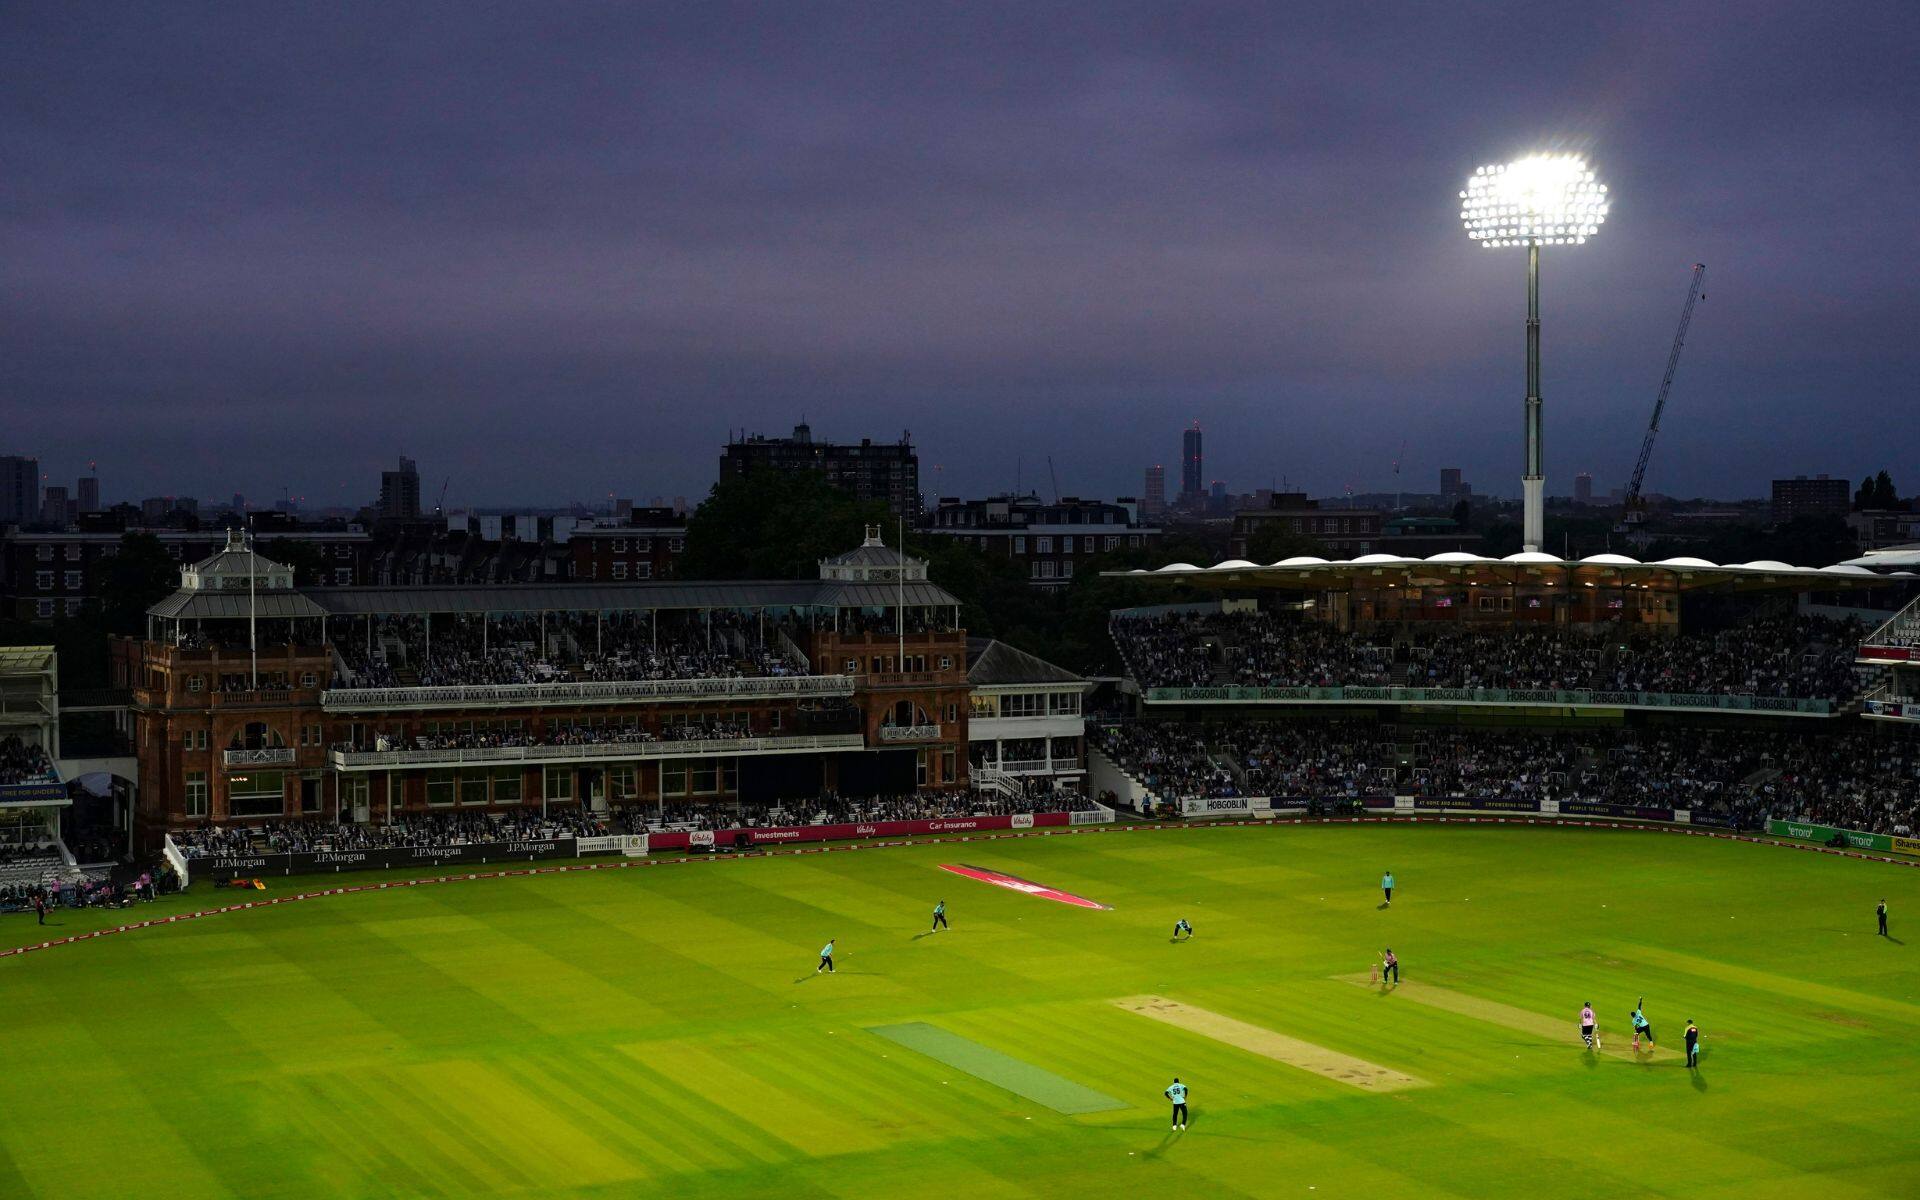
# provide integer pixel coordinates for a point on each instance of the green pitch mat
(661, 1032)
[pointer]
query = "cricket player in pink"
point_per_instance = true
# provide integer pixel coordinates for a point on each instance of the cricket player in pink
(1586, 1025)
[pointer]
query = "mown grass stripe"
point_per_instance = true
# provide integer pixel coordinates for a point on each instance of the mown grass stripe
(624, 1091)
(1696, 966)
(1003, 1071)
(1617, 1043)
(684, 1102)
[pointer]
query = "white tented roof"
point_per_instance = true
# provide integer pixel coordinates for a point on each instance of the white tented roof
(1372, 570)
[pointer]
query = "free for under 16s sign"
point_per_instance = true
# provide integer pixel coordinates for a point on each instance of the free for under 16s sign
(1017, 884)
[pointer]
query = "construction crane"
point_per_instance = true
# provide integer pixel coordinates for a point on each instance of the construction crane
(1634, 510)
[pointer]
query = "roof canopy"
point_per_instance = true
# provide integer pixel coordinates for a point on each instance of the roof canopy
(1528, 568)
(993, 663)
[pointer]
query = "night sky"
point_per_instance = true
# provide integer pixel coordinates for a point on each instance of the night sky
(557, 251)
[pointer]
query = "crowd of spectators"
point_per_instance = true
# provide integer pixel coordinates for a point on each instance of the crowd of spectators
(1861, 779)
(84, 891)
(1165, 651)
(830, 808)
(1787, 655)
(524, 648)
(457, 829)
(563, 735)
(426, 829)
(1508, 658)
(1778, 655)
(22, 761)
(1170, 760)
(1875, 788)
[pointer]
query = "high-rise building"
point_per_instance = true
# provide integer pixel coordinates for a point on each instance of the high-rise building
(888, 472)
(1803, 497)
(154, 510)
(89, 493)
(1192, 473)
(19, 489)
(1583, 488)
(1156, 493)
(1450, 483)
(400, 493)
(55, 511)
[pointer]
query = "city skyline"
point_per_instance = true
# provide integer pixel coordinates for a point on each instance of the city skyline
(264, 262)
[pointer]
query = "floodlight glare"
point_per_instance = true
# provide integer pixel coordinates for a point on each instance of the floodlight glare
(1540, 200)
(1545, 200)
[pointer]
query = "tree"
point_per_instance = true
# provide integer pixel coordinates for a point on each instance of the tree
(1876, 491)
(1463, 514)
(1884, 494)
(135, 579)
(775, 525)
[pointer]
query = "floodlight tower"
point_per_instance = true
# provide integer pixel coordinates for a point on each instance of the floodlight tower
(1541, 200)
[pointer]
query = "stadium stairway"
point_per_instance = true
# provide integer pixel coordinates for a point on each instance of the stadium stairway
(1868, 680)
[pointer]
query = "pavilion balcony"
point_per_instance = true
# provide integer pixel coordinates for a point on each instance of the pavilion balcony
(909, 733)
(538, 695)
(265, 756)
(507, 756)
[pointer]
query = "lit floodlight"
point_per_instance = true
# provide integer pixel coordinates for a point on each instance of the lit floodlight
(1540, 200)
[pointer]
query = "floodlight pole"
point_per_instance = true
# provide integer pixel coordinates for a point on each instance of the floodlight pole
(1533, 483)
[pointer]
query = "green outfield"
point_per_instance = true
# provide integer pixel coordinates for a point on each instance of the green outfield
(663, 1031)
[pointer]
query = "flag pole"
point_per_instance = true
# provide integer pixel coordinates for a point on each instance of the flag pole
(253, 637)
(900, 595)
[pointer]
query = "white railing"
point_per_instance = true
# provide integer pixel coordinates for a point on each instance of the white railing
(989, 778)
(1099, 814)
(1026, 766)
(1900, 632)
(263, 757)
(743, 687)
(371, 760)
(909, 733)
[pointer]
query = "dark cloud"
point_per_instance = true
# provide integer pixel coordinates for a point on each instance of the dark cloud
(557, 251)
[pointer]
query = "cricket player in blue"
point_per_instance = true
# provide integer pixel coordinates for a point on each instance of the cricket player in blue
(1641, 1025)
(940, 916)
(826, 958)
(1177, 1092)
(1386, 886)
(1181, 926)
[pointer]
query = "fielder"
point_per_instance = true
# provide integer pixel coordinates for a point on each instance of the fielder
(1386, 887)
(940, 917)
(1177, 1092)
(1182, 926)
(826, 958)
